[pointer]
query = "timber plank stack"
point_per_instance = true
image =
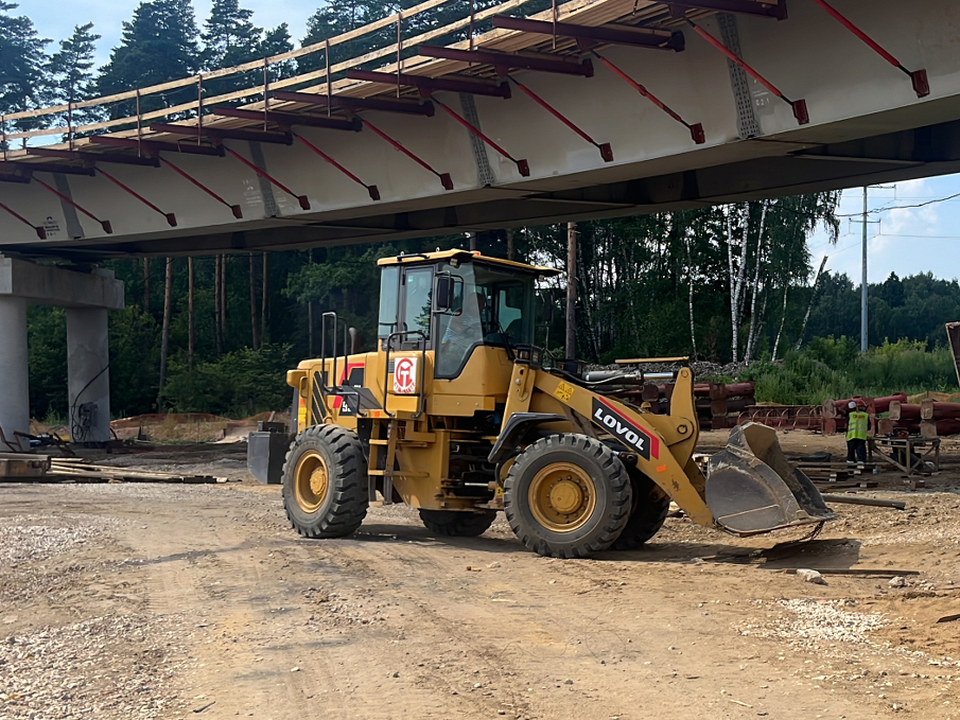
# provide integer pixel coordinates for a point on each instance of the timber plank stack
(26, 468)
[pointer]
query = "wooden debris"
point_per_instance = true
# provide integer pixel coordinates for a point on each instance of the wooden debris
(865, 572)
(949, 618)
(77, 470)
(873, 502)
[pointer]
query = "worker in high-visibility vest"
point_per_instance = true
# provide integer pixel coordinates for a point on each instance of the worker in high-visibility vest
(857, 422)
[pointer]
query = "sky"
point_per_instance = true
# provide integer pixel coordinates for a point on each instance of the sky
(900, 239)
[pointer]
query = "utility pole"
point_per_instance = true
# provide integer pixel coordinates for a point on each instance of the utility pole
(863, 285)
(571, 340)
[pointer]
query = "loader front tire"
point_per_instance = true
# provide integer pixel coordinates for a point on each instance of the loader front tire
(325, 482)
(650, 508)
(457, 524)
(567, 496)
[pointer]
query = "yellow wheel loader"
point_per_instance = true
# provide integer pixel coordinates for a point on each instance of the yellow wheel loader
(458, 414)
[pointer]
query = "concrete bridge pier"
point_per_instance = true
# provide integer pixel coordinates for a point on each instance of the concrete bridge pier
(87, 296)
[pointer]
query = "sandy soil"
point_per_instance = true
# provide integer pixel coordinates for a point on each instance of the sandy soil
(165, 601)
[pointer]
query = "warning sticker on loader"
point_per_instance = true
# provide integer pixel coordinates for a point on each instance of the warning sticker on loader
(624, 430)
(405, 376)
(564, 391)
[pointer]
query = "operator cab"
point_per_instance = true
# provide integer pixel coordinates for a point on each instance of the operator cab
(453, 302)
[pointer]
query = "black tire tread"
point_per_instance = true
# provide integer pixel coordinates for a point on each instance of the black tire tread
(347, 477)
(617, 481)
(648, 516)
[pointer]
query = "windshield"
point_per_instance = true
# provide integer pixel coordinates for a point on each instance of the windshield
(491, 306)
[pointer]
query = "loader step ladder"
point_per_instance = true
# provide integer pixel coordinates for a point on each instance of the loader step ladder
(390, 442)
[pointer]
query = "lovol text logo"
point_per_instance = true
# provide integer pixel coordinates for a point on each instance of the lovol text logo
(624, 430)
(405, 376)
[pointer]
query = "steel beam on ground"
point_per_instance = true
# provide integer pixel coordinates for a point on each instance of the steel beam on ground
(606, 152)
(170, 217)
(105, 224)
(397, 105)
(88, 157)
(609, 34)
(301, 199)
(696, 130)
(505, 62)
(774, 9)
(799, 106)
(155, 146)
(288, 120)
(921, 84)
(428, 85)
(283, 138)
(371, 189)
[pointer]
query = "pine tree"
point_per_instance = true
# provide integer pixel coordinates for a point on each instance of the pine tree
(229, 37)
(70, 72)
(276, 42)
(22, 59)
(158, 45)
(338, 18)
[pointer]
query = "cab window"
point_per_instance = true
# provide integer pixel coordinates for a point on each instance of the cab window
(416, 305)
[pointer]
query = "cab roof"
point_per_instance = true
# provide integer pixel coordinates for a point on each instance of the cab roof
(464, 256)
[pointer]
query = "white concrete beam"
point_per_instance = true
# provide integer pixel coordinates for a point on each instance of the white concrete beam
(49, 285)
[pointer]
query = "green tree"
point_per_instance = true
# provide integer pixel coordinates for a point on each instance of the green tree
(69, 71)
(229, 38)
(22, 60)
(158, 45)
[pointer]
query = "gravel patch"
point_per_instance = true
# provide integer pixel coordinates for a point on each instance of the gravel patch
(107, 667)
(42, 538)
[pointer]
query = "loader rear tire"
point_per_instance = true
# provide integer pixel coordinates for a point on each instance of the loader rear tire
(457, 524)
(567, 496)
(650, 508)
(325, 482)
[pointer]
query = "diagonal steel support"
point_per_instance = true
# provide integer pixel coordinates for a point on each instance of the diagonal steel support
(696, 130)
(371, 189)
(799, 106)
(302, 199)
(38, 229)
(170, 217)
(445, 178)
(105, 224)
(235, 209)
(921, 85)
(606, 152)
(522, 165)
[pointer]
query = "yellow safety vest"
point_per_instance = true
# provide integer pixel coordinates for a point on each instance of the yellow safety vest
(857, 422)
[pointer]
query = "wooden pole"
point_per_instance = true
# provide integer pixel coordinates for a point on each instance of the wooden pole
(571, 335)
(510, 248)
(263, 303)
(191, 324)
(165, 333)
(146, 285)
(218, 309)
(254, 323)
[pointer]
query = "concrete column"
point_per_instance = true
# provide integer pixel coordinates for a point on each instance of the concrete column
(88, 379)
(14, 372)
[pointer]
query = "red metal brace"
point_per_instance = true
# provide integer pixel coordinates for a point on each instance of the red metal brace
(372, 189)
(171, 218)
(522, 165)
(445, 178)
(799, 106)
(38, 229)
(302, 199)
(606, 152)
(105, 224)
(921, 85)
(235, 209)
(696, 130)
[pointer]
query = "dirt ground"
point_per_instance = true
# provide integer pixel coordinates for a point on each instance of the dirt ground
(169, 601)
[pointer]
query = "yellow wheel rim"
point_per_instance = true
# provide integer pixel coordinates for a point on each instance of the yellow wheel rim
(562, 497)
(311, 481)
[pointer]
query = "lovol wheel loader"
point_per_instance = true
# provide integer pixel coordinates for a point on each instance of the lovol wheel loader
(458, 414)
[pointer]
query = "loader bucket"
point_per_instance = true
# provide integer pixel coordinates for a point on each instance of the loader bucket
(752, 489)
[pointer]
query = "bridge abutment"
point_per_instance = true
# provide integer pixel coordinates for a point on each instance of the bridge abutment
(87, 297)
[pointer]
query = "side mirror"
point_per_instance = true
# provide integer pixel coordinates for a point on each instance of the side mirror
(443, 300)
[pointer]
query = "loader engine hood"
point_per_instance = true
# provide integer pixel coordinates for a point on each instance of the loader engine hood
(751, 487)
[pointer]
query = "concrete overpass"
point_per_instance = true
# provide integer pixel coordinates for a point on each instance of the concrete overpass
(595, 108)
(617, 107)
